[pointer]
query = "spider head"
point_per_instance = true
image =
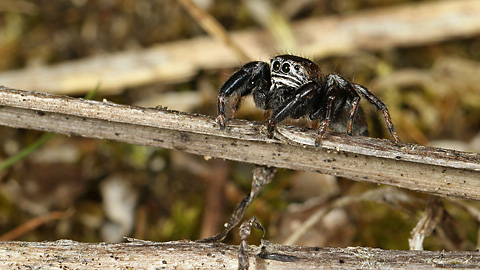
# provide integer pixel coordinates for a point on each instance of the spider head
(292, 71)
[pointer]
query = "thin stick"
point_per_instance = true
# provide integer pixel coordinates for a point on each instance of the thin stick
(261, 176)
(434, 213)
(427, 169)
(33, 224)
(213, 28)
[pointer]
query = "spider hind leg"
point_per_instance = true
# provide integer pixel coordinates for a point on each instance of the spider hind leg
(380, 106)
(339, 110)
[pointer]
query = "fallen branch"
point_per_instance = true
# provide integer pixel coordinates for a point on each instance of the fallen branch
(403, 25)
(66, 254)
(427, 169)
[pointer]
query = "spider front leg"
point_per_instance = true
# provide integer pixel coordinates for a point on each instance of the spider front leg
(252, 77)
(270, 124)
(236, 105)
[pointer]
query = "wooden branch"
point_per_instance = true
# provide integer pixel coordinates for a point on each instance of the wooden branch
(403, 25)
(427, 169)
(66, 254)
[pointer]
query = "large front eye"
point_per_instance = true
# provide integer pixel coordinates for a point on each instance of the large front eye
(286, 68)
(276, 65)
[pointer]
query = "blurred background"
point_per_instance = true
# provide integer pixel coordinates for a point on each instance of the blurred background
(152, 53)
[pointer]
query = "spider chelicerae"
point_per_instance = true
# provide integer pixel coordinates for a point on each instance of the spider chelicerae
(292, 86)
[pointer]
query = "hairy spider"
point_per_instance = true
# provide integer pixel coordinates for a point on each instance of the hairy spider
(292, 86)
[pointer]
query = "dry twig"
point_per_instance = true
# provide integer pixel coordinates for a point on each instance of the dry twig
(65, 254)
(261, 176)
(432, 216)
(427, 169)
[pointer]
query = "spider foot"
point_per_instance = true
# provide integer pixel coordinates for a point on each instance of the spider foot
(318, 140)
(395, 137)
(221, 121)
(321, 132)
(270, 128)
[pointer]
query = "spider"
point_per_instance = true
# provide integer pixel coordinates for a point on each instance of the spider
(293, 87)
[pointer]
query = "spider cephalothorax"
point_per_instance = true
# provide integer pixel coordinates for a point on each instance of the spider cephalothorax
(292, 86)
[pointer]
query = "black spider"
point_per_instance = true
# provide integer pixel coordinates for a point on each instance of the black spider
(293, 86)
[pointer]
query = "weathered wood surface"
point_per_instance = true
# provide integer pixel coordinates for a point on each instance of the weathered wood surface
(66, 254)
(427, 169)
(402, 25)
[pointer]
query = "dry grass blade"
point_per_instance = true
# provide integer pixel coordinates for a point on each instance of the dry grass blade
(33, 224)
(213, 28)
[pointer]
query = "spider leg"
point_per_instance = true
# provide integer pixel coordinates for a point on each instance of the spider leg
(294, 107)
(266, 114)
(334, 87)
(270, 124)
(253, 76)
(353, 112)
(236, 105)
(328, 116)
(380, 106)
(343, 85)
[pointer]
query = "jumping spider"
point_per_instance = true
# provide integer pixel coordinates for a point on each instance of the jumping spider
(293, 86)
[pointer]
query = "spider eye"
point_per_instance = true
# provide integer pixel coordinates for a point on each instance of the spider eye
(276, 65)
(297, 67)
(285, 68)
